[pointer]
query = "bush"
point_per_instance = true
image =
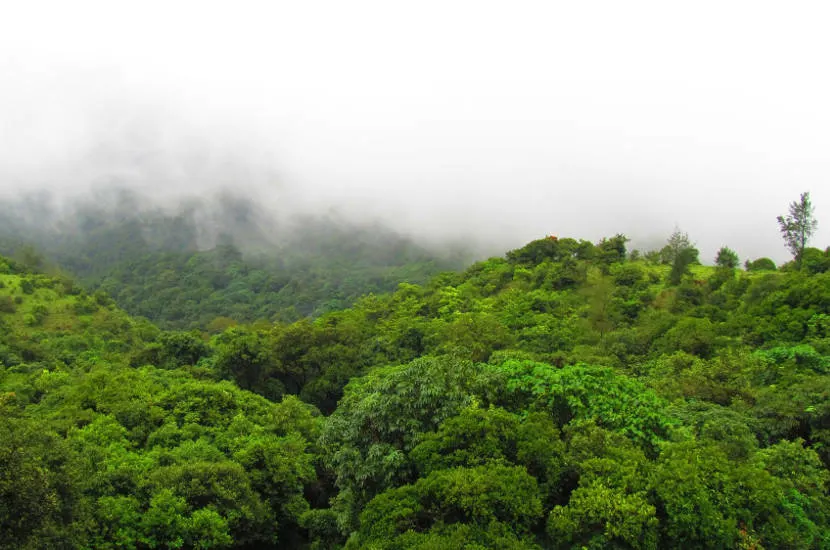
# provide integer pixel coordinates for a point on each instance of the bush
(681, 264)
(85, 306)
(39, 313)
(691, 335)
(726, 258)
(761, 264)
(628, 274)
(815, 261)
(27, 286)
(7, 304)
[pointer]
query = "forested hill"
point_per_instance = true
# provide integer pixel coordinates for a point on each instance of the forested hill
(207, 263)
(563, 396)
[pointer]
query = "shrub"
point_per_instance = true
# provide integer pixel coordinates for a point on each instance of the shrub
(7, 304)
(27, 286)
(761, 264)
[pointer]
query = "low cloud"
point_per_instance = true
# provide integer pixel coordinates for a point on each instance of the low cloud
(493, 124)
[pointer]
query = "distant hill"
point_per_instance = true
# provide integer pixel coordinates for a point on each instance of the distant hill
(212, 262)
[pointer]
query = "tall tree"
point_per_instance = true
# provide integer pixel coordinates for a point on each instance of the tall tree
(798, 226)
(677, 242)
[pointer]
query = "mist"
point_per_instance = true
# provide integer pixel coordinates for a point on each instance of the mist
(491, 123)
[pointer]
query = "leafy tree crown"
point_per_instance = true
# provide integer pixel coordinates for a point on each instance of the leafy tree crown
(799, 225)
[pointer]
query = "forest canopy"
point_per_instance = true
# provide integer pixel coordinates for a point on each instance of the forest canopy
(567, 395)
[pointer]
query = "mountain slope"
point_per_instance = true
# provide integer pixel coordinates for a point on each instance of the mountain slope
(100, 449)
(611, 402)
(216, 261)
(563, 396)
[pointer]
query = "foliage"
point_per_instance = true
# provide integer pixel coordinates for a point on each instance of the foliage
(565, 396)
(798, 226)
(761, 264)
(683, 260)
(727, 257)
(162, 267)
(677, 242)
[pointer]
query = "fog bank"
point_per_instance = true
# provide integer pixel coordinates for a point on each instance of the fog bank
(485, 122)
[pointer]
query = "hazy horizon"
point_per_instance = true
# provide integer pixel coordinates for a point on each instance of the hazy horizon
(499, 123)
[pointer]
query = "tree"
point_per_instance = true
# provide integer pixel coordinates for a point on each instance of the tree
(761, 264)
(597, 515)
(382, 416)
(243, 355)
(681, 264)
(612, 250)
(600, 294)
(497, 500)
(33, 486)
(677, 242)
(814, 260)
(727, 258)
(798, 226)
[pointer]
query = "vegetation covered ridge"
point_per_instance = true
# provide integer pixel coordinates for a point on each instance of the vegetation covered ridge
(567, 395)
(215, 262)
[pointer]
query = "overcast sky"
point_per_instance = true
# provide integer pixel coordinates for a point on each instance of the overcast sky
(505, 121)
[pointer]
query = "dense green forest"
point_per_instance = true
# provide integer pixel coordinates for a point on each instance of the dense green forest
(210, 264)
(567, 395)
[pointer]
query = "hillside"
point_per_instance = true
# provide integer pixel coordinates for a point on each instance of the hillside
(208, 263)
(563, 396)
(101, 449)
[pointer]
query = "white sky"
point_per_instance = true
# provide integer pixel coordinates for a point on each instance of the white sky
(505, 121)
